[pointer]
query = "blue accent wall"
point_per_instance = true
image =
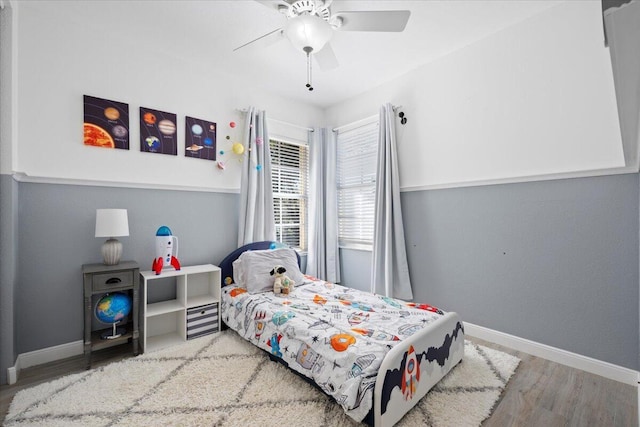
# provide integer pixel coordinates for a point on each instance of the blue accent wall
(555, 262)
(8, 268)
(56, 236)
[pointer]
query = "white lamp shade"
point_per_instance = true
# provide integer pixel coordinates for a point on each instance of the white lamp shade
(308, 31)
(112, 223)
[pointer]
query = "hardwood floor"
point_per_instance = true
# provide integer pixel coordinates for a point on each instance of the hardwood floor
(540, 393)
(544, 393)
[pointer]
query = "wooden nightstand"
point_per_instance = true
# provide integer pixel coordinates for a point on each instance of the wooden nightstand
(102, 279)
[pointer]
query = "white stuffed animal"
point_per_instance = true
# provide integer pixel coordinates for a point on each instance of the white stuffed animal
(282, 283)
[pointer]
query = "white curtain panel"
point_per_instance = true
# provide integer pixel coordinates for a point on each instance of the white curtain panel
(389, 270)
(256, 193)
(323, 259)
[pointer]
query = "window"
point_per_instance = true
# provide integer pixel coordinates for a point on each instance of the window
(356, 176)
(289, 179)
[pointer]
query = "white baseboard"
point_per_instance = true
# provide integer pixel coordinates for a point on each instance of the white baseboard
(44, 355)
(573, 360)
(12, 375)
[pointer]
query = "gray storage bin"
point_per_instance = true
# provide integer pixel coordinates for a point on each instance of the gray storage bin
(202, 320)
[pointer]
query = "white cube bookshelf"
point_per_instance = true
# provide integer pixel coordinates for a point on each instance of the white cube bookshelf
(164, 322)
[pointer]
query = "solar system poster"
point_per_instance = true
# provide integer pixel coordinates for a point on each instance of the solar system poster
(106, 123)
(200, 140)
(158, 132)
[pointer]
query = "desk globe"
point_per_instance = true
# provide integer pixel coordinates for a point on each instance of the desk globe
(113, 308)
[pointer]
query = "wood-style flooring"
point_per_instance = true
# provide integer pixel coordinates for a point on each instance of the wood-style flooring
(540, 393)
(544, 393)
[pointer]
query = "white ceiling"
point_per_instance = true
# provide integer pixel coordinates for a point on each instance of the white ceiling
(206, 32)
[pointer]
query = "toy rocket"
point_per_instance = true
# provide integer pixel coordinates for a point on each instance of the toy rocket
(166, 250)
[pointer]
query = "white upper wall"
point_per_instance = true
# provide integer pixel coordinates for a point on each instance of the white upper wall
(534, 99)
(60, 59)
(7, 100)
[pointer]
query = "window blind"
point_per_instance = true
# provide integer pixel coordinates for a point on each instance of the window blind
(289, 178)
(356, 170)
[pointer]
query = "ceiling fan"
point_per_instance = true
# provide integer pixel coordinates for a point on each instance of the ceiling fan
(311, 23)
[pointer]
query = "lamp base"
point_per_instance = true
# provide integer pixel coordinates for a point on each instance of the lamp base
(111, 251)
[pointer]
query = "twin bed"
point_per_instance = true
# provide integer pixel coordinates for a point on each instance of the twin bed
(376, 356)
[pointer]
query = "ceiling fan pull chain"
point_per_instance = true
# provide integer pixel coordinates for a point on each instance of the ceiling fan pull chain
(308, 51)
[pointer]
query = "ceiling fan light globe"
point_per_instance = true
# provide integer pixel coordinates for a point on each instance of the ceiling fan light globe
(306, 31)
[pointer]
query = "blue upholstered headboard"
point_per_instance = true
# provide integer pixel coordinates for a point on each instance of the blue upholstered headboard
(226, 265)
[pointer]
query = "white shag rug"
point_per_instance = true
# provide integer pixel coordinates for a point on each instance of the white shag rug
(222, 380)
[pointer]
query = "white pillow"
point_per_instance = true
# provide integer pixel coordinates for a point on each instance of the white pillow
(238, 273)
(252, 269)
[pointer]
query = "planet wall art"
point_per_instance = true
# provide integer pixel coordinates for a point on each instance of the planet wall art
(111, 113)
(106, 123)
(167, 127)
(200, 139)
(158, 132)
(149, 118)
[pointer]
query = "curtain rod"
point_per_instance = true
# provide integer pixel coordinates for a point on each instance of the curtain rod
(291, 124)
(362, 122)
(244, 110)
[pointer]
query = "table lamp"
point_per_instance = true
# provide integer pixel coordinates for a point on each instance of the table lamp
(112, 223)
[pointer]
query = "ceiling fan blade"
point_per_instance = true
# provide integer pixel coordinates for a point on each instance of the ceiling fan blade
(326, 58)
(265, 40)
(374, 20)
(275, 4)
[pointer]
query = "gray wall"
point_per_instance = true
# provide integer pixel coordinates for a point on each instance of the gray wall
(555, 262)
(8, 192)
(355, 269)
(56, 236)
(8, 268)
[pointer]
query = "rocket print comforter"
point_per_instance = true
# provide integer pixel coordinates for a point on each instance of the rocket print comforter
(334, 335)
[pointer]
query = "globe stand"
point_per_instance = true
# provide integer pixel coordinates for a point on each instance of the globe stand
(116, 332)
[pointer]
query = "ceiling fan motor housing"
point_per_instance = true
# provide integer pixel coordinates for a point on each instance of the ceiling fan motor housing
(311, 7)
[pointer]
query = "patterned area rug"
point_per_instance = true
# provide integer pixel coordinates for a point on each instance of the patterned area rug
(222, 380)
